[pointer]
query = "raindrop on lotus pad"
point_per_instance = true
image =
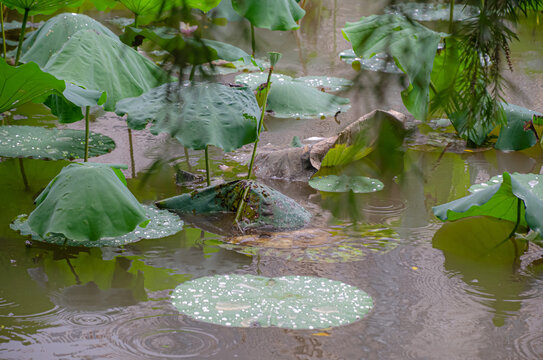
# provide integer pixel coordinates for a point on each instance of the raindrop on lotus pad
(296, 302)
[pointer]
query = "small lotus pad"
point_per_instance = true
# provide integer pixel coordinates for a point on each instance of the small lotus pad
(295, 302)
(344, 183)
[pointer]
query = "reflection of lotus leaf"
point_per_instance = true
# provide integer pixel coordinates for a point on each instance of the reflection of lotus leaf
(296, 302)
(162, 223)
(53, 144)
(266, 209)
(315, 245)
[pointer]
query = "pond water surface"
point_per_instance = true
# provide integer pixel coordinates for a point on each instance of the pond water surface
(113, 303)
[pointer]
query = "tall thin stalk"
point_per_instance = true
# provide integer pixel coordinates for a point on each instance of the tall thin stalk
(131, 148)
(86, 157)
(3, 32)
(208, 176)
(253, 41)
(451, 17)
(21, 37)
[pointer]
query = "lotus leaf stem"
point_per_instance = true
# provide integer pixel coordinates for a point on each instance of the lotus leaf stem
(135, 20)
(192, 72)
(187, 158)
(21, 37)
(86, 158)
(451, 17)
(253, 42)
(3, 32)
(132, 160)
(208, 178)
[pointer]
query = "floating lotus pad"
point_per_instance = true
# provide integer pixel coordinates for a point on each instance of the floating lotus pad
(344, 183)
(52, 144)
(500, 198)
(294, 302)
(432, 12)
(266, 209)
(86, 202)
(162, 223)
(316, 245)
(292, 98)
(378, 62)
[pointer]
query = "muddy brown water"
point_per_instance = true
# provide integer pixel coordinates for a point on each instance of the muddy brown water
(113, 303)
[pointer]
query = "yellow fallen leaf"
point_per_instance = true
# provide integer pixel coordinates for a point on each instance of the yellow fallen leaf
(414, 268)
(321, 334)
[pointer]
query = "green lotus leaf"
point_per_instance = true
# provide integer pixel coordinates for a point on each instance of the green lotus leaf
(378, 62)
(327, 83)
(25, 83)
(144, 7)
(204, 5)
(86, 202)
(198, 51)
(344, 183)
(290, 98)
(197, 115)
(412, 45)
(225, 11)
(266, 209)
(162, 223)
(317, 245)
(432, 12)
(53, 144)
(38, 6)
(508, 197)
(55, 32)
(68, 107)
(294, 302)
(513, 136)
(270, 14)
(96, 61)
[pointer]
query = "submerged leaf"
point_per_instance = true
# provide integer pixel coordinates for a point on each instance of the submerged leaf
(162, 223)
(86, 202)
(412, 45)
(344, 183)
(270, 14)
(295, 302)
(293, 98)
(53, 144)
(516, 197)
(266, 209)
(197, 114)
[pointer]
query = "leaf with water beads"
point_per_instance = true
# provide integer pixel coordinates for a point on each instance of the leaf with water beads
(162, 223)
(52, 144)
(294, 302)
(432, 12)
(344, 183)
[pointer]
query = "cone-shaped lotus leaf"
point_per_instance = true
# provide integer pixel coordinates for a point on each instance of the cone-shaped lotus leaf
(516, 197)
(55, 32)
(38, 6)
(96, 61)
(195, 51)
(432, 12)
(412, 45)
(290, 98)
(344, 183)
(52, 144)
(266, 209)
(294, 302)
(86, 202)
(25, 83)
(270, 14)
(162, 223)
(197, 115)
(317, 245)
(516, 135)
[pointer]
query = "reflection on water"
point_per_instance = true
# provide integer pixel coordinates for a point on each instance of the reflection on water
(437, 294)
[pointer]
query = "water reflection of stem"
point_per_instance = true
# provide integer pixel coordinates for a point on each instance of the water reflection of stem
(3, 32)
(21, 37)
(300, 51)
(208, 176)
(77, 280)
(86, 156)
(132, 159)
(23, 174)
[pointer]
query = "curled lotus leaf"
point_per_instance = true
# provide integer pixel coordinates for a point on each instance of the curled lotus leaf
(270, 14)
(52, 144)
(266, 209)
(162, 223)
(55, 32)
(316, 245)
(294, 302)
(290, 98)
(86, 202)
(197, 115)
(513, 197)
